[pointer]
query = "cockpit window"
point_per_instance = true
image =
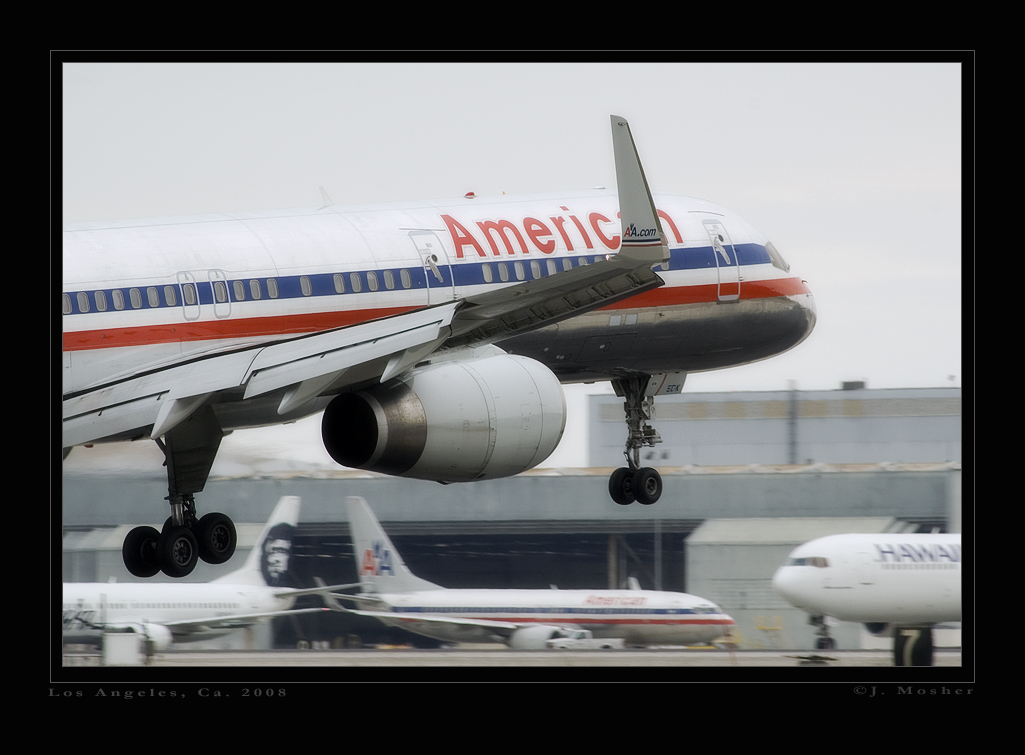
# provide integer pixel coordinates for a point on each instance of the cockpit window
(816, 561)
(777, 258)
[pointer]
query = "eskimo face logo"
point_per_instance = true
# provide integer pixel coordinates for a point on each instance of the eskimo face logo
(377, 561)
(274, 559)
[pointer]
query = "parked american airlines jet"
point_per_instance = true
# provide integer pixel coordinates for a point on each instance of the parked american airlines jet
(905, 581)
(522, 619)
(433, 336)
(177, 612)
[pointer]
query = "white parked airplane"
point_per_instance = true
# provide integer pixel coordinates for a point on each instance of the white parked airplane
(906, 582)
(178, 612)
(522, 619)
(434, 336)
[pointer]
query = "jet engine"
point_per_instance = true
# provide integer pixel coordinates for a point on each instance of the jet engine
(157, 634)
(533, 638)
(453, 421)
(879, 629)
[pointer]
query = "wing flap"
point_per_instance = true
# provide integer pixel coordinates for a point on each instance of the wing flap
(526, 306)
(291, 362)
(189, 626)
(155, 402)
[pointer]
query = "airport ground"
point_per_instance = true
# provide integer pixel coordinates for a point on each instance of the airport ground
(488, 656)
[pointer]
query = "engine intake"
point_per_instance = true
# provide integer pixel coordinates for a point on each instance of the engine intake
(453, 421)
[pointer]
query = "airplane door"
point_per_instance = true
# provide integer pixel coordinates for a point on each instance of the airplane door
(436, 267)
(198, 294)
(189, 286)
(865, 573)
(219, 288)
(725, 258)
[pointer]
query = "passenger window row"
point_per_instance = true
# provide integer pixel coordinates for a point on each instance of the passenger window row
(254, 289)
(241, 290)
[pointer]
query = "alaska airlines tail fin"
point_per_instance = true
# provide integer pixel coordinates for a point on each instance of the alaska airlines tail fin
(380, 567)
(267, 563)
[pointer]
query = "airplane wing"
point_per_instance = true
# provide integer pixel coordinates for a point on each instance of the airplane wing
(229, 622)
(321, 589)
(499, 627)
(308, 366)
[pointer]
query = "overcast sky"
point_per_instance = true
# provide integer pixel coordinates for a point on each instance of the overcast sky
(853, 170)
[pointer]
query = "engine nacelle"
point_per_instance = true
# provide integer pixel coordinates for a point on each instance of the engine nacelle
(454, 421)
(159, 635)
(879, 629)
(534, 638)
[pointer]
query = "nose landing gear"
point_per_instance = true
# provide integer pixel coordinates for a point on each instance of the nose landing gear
(634, 482)
(823, 640)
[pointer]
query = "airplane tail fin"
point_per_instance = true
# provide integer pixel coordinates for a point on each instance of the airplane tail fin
(267, 563)
(379, 566)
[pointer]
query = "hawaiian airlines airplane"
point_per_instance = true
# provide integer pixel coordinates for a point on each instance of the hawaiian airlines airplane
(433, 336)
(177, 612)
(907, 582)
(522, 619)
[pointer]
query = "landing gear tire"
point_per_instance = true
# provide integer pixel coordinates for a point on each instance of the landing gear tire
(178, 551)
(216, 537)
(647, 485)
(139, 552)
(621, 486)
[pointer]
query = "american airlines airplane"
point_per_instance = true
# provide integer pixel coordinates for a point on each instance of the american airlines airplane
(177, 612)
(433, 336)
(522, 619)
(887, 581)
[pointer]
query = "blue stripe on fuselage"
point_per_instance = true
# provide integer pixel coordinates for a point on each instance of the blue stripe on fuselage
(465, 274)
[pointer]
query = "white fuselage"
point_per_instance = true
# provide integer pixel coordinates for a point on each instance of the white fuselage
(900, 579)
(143, 295)
(639, 617)
(111, 604)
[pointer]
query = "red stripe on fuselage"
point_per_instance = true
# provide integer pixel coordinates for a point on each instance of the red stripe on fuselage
(297, 324)
(214, 330)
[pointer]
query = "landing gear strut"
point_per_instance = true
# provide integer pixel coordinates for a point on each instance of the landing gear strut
(822, 639)
(189, 449)
(634, 482)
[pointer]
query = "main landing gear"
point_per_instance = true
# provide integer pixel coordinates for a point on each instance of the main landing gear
(634, 482)
(189, 449)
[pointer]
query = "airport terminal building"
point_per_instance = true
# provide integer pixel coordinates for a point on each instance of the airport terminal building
(747, 477)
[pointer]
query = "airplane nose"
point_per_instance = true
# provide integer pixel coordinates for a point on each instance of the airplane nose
(783, 582)
(809, 303)
(806, 300)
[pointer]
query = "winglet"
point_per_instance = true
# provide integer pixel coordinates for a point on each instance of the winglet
(642, 232)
